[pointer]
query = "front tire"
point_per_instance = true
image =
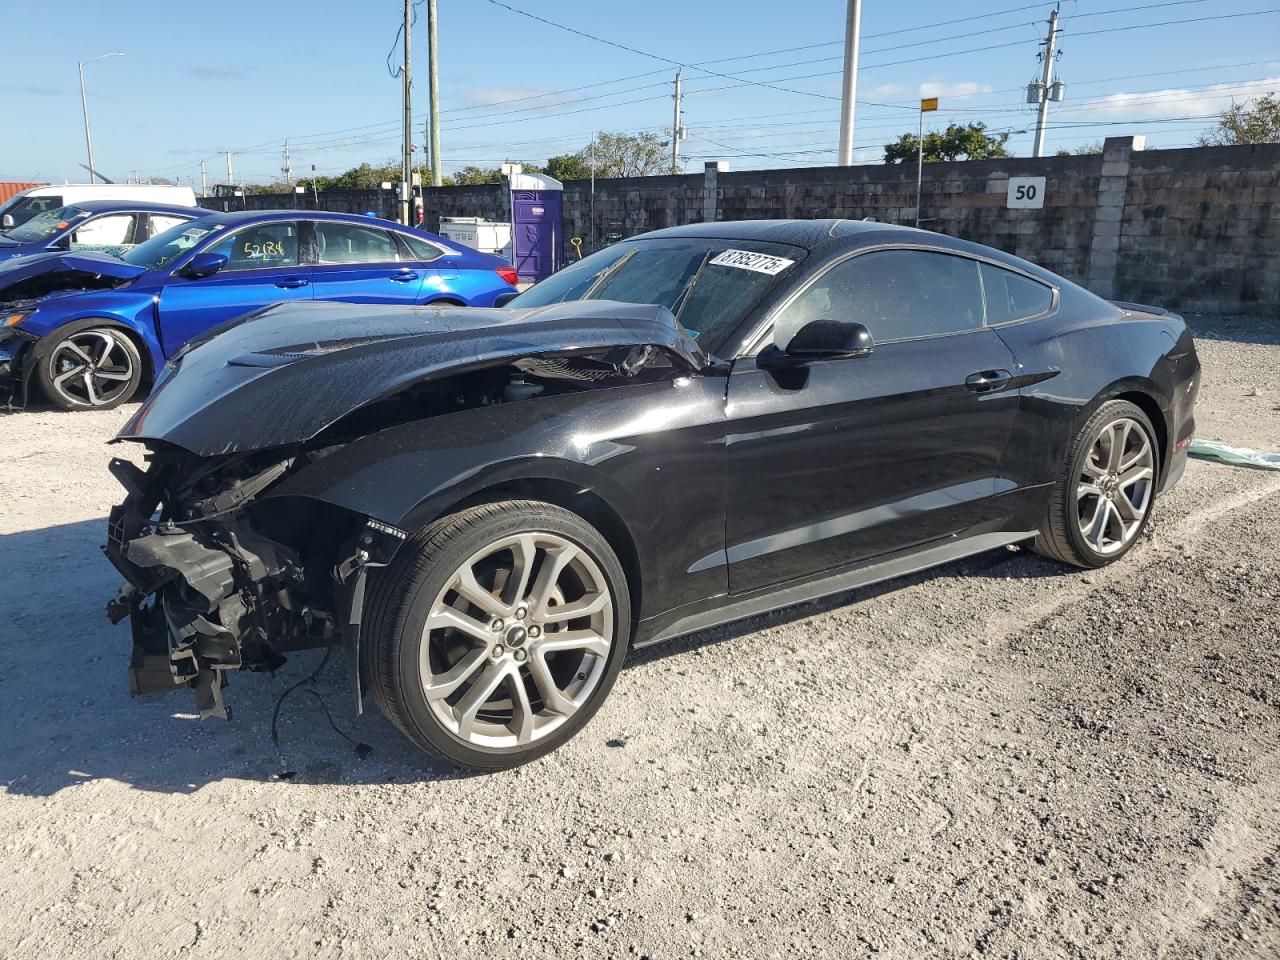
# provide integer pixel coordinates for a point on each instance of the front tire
(94, 368)
(497, 632)
(1102, 499)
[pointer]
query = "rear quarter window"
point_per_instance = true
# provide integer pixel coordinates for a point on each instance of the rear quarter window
(1011, 296)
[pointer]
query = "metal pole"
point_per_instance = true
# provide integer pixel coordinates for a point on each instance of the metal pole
(315, 190)
(231, 177)
(1046, 79)
(433, 81)
(675, 130)
(406, 170)
(919, 165)
(593, 191)
(88, 139)
(849, 90)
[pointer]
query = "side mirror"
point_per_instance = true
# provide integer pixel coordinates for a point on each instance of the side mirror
(820, 340)
(502, 299)
(8, 223)
(204, 265)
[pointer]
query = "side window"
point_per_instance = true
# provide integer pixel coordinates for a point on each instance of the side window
(261, 247)
(896, 294)
(420, 248)
(159, 224)
(109, 233)
(349, 243)
(1011, 296)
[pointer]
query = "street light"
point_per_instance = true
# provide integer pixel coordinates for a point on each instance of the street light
(84, 105)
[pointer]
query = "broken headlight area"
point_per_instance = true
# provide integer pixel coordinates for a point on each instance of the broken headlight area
(218, 580)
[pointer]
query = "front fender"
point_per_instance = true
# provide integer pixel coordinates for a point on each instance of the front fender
(133, 312)
(653, 453)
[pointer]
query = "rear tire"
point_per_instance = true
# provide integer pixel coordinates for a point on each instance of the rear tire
(1102, 498)
(93, 368)
(496, 633)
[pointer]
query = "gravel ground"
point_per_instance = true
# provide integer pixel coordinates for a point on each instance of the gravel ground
(1001, 757)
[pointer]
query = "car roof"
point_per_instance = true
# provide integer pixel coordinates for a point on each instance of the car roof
(829, 237)
(234, 217)
(137, 206)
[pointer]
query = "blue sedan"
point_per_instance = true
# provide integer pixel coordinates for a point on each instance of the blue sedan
(106, 226)
(89, 328)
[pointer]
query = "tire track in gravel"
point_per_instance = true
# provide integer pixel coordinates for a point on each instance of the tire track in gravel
(956, 654)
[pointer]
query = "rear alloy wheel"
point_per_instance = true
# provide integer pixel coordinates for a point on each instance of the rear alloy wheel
(1102, 501)
(497, 632)
(93, 369)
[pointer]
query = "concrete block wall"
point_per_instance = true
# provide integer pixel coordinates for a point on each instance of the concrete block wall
(1192, 229)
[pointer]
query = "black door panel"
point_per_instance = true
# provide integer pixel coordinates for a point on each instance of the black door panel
(843, 460)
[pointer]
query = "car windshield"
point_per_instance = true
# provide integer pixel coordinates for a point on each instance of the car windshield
(47, 225)
(710, 285)
(163, 248)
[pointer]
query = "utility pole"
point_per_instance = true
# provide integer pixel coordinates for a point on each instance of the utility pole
(1046, 89)
(204, 183)
(287, 167)
(433, 84)
(677, 130)
(406, 170)
(231, 177)
(84, 106)
(849, 89)
(315, 190)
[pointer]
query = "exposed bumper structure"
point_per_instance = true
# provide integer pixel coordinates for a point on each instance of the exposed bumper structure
(207, 592)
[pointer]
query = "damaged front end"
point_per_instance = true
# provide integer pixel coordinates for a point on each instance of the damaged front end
(217, 581)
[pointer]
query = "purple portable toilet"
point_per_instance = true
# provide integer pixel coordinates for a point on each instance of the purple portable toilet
(537, 240)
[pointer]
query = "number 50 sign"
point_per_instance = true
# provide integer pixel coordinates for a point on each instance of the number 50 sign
(1026, 193)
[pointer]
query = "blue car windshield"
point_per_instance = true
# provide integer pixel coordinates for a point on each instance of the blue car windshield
(163, 248)
(710, 285)
(47, 225)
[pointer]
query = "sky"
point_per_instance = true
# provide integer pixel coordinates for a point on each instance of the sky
(761, 78)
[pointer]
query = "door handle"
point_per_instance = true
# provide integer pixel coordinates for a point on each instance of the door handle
(292, 283)
(404, 276)
(986, 380)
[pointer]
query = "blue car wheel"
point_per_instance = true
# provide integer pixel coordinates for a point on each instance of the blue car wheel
(96, 368)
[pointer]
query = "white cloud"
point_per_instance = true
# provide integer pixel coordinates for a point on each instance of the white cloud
(933, 88)
(1172, 102)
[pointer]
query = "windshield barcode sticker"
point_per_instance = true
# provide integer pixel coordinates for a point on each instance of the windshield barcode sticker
(746, 260)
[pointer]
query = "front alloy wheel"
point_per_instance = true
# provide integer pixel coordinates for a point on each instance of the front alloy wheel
(496, 632)
(94, 369)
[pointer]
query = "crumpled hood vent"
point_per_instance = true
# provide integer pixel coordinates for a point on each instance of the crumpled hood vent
(281, 375)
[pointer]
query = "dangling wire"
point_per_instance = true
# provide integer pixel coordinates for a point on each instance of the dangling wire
(397, 69)
(362, 749)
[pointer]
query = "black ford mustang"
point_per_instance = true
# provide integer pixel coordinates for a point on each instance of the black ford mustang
(486, 508)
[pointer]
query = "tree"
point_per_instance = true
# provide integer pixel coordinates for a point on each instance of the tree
(1254, 121)
(624, 155)
(969, 142)
(472, 175)
(1084, 150)
(570, 166)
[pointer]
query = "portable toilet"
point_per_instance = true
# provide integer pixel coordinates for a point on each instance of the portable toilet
(536, 215)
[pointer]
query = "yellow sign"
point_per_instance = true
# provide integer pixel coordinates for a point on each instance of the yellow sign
(928, 105)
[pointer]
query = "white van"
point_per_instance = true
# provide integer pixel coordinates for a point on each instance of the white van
(27, 204)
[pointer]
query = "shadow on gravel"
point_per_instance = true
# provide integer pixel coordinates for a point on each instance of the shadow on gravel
(1236, 329)
(67, 716)
(1014, 564)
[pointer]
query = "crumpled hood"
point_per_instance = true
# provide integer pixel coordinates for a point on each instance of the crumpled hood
(283, 374)
(74, 265)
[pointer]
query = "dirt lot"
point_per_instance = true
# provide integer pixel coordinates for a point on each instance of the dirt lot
(1001, 757)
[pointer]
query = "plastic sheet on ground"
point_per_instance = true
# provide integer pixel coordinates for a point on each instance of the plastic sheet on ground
(1238, 456)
